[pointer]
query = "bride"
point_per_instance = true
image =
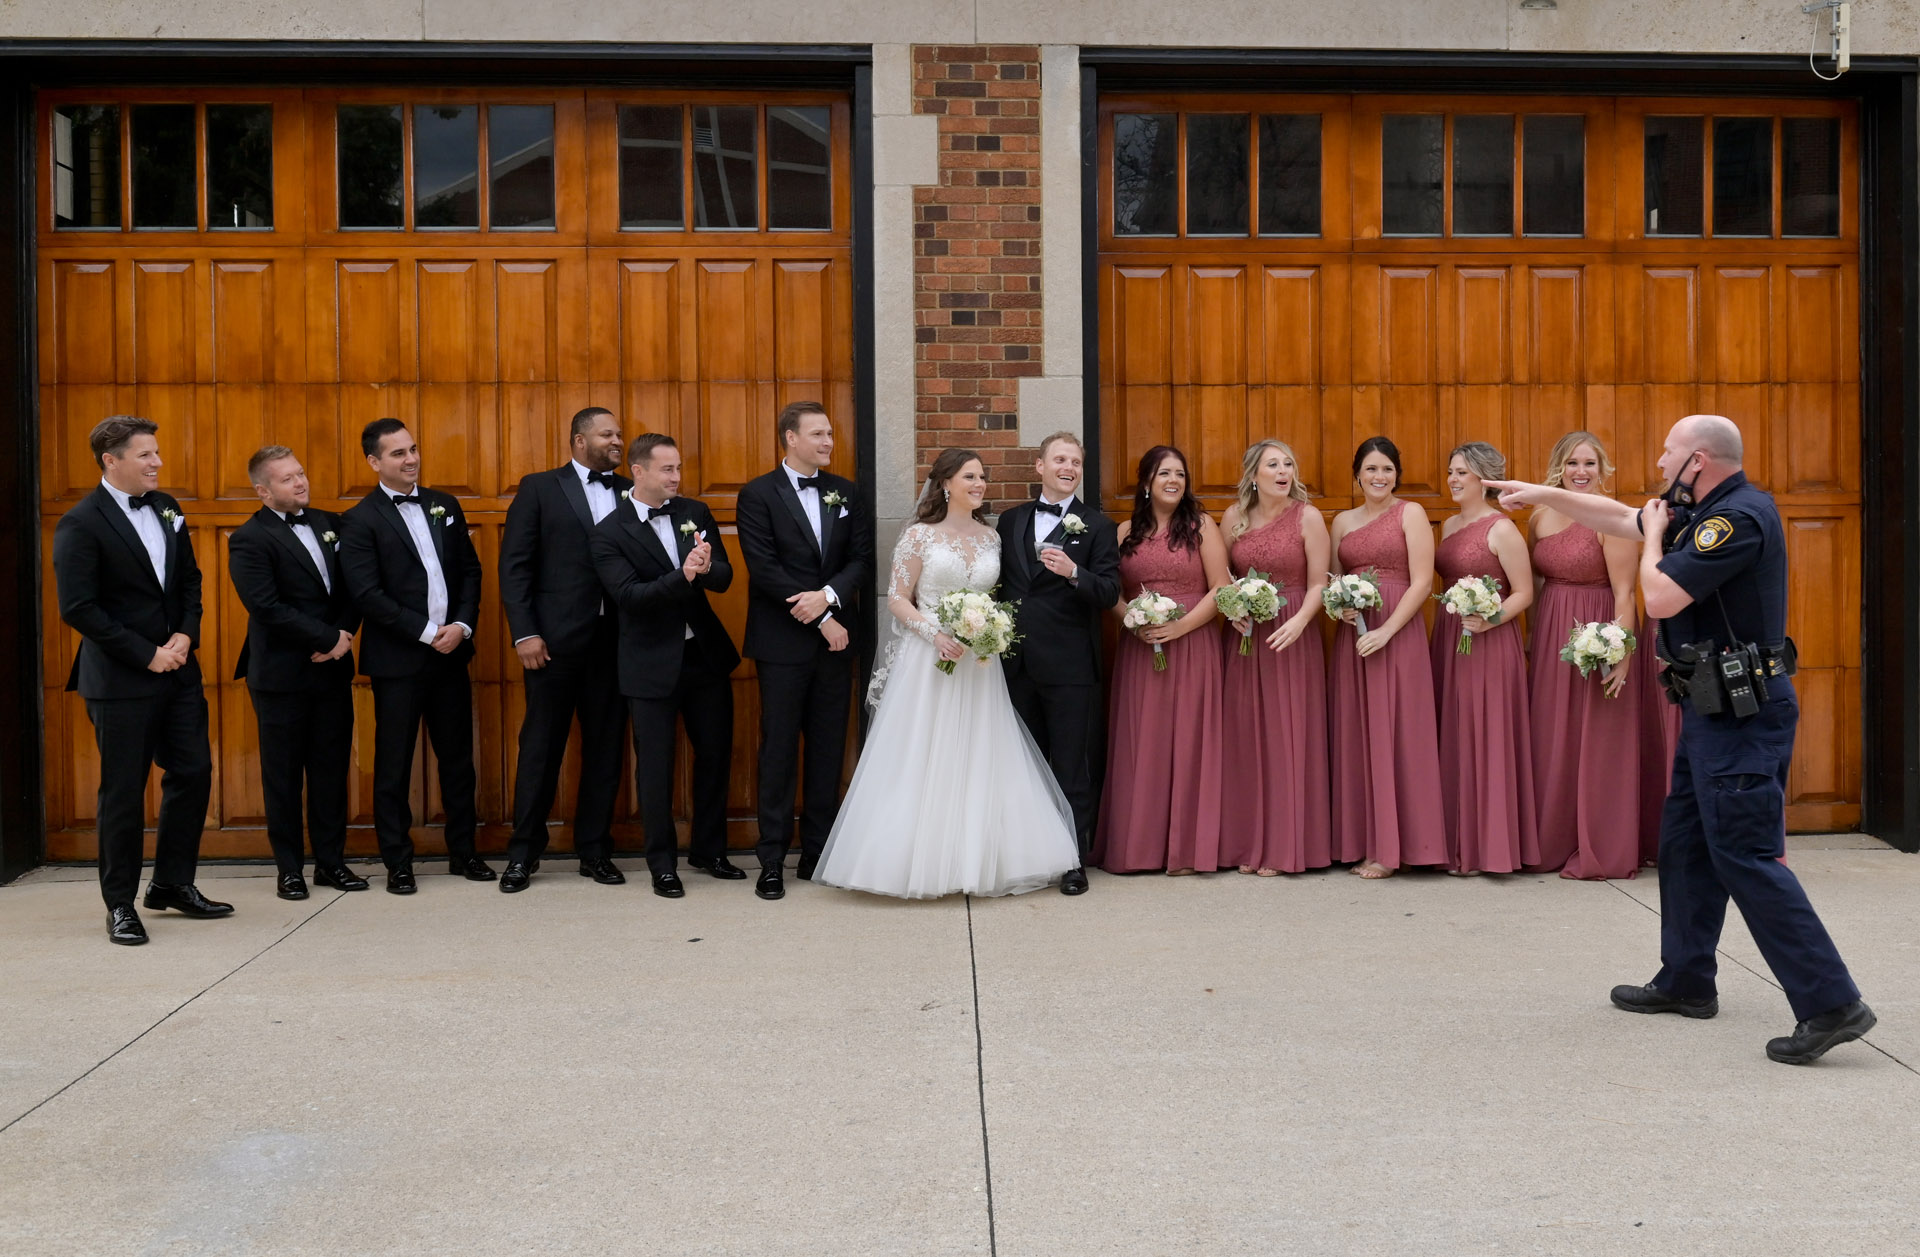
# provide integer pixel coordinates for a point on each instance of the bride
(951, 793)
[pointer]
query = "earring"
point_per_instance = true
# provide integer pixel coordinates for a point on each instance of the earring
(946, 496)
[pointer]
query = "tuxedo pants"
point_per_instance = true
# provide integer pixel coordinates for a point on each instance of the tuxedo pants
(441, 694)
(796, 700)
(582, 684)
(1065, 721)
(306, 741)
(703, 701)
(133, 734)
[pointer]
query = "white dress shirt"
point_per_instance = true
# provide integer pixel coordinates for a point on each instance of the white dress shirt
(304, 531)
(657, 518)
(414, 516)
(1043, 525)
(600, 499)
(810, 503)
(152, 529)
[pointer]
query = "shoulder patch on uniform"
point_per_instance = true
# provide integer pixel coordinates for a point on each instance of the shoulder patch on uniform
(1712, 532)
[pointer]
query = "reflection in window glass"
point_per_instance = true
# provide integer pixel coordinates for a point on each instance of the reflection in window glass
(368, 156)
(1217, 178)
(650, 168)
(799, 169)
(1675, 191)
(1483, 175)
(446, 166)
(1810, 176)
(1145, 179)
(163, 167)
(86, 166)
(1553, 175)
(726, 192)
(1412, 165)
(1743, 176)
(520, 166)
(239, 167)
(1290, 174)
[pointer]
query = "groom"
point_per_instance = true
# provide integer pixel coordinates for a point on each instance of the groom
(1060, 561)
(808, 545)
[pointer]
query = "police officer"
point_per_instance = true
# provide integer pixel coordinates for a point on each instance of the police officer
(1713, 569)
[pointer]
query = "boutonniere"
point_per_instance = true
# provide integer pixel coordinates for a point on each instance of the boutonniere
(171, 516)
(439, 513)
(688, 528)
(1072, 525)
(331, 538)
(626, 495)
(833, 498)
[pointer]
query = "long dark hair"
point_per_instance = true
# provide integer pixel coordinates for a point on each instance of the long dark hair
(1183, 530)
(1384, 446)
(933, 503)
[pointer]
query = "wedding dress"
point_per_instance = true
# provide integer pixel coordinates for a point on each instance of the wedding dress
(951, 793)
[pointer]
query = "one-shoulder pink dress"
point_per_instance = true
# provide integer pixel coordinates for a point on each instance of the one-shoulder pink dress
(1162, 804)
(1385, 758)
(1486, 743)
(1586, 746)
(1274, 753)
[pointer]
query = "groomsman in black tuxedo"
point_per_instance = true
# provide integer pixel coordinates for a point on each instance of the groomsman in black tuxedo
(808, 544)
(128, 584)
(1060, 560)
(659, 556)
(413, 571)
(297, 662)
(567, 636)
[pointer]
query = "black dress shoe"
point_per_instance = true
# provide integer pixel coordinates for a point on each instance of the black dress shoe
(291, 886)
(602, 871)
(515, 879)
(473, 868)
(668, 885)
(1651, 999)
(805, 869)
(186, 900)
(340, 877)
(123, 926)
(1812, 1037)
(400, 881)
(771, 884)
(1074, 882)
(720, 867)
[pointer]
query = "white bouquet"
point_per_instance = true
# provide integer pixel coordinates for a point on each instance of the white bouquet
(1599, 644)
(977, 622)
(1252, 597)
(1472, 595)
(1356, 591)
(1151, 609)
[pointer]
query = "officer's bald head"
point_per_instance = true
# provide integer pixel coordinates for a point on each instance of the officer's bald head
(1716, 436)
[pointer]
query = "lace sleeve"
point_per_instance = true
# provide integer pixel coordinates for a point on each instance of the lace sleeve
(909, 556)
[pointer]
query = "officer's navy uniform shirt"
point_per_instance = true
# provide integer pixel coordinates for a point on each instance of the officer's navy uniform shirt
(1731, 545)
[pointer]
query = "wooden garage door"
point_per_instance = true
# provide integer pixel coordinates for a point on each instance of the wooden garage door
(249, 267)
(1444, 268)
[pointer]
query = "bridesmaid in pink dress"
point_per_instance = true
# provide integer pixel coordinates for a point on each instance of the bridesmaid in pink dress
(1385, 761)
(1486, 746)
(1162, 808)
(1586, 732)
(1275, 753)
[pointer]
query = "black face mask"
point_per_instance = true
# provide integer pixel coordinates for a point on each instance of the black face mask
(1679, 496)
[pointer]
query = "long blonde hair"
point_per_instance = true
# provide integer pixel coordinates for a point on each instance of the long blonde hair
(1482, 460)
(1249, 492)
(1563, 450)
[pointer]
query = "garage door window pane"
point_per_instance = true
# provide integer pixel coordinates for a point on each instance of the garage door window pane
(1483, 175)
(239, 167)
(726, 184)
(368, 148)
(1290, 174)
(1743, 176)
(1145, 177)
(86, 166)
(650, 168)
(799, 168)
(1553, 175)
(1412, 167)
(1810, 178)
(446, 167)
(163, 167)
(1675, 192)
(520, 166)
(1217, 176)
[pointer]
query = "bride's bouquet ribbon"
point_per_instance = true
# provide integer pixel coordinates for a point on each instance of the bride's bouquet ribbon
(1358, 592)
(1472, 595)
(977, 622)
(1253, 598)
(1151, 610)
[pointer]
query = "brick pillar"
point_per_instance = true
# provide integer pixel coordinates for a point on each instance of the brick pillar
(977, 258)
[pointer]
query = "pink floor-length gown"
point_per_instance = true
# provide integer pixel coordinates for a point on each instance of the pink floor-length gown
(1659, 736)
(1486, 743)
(1274, 757)
(1162, 805)
(1385, 763)
(1586, 746)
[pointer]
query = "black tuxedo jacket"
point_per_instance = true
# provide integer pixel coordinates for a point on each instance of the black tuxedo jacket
(657, 604)
(290, 612)
(547, 579)
(109, 595)
(783, 559)
(1059, 621)
(388, 582)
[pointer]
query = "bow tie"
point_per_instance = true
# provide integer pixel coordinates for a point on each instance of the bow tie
(298, 517)
(135, 501)
(651, 513)
(600, 477)
(413, 498)
(1048, 508)
(803, 483)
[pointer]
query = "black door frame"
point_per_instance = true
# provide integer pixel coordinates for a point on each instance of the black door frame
(1888, 92)
(33, 65)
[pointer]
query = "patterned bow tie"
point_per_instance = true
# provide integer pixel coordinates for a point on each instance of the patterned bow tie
(413, 498)
(1048, 508)
(600, 477)
(803, 483)
(136, 501)
(298, 517)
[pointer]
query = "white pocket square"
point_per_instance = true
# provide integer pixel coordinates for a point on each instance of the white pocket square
(843, 513)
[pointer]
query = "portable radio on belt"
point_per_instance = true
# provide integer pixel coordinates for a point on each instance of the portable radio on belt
(1726, 680)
